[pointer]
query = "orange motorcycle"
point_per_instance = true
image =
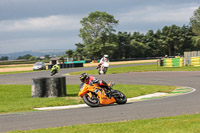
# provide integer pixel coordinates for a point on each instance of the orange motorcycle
(94, 96)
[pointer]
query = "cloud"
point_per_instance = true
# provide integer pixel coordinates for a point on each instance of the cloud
(53, 32)
(59, 22)
(26, 44)
(159, 14)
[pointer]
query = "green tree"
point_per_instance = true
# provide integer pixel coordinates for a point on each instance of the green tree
(69, 53)
(97, 28)
(196, 42)
(32, 58)
(170, 38)
(152, 44)
(80, 52)
(160, 47)
(138, 46)
(176, 39)
(138, 49)
(185, 40)
(4, 58)
(195, 22)
(27, 56)
(123, 40)
(47, 56)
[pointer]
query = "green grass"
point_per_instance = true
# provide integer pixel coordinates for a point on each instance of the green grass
(17, 98)
(138, 90)
(124, 63)
(15, 72)
(142, 68)
(1, 66)
(177, 124)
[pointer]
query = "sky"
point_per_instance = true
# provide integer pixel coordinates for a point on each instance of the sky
(54, 24)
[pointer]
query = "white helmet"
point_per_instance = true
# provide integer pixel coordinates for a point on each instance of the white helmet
(105, 56)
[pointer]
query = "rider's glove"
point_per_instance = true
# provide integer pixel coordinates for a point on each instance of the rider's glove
(91, 82)
(95, 81)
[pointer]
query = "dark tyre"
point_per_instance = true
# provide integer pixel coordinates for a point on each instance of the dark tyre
(92, 102)
(53, 72)
(120, 97)
(105, 70)
(99, 72)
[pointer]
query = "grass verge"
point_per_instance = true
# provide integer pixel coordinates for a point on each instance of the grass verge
(141, 68)
(15, 72)
(17, 98)
(177, 124)
(14, 66)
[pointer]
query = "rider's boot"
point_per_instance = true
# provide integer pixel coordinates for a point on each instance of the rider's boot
(109, 92)
(108, 95)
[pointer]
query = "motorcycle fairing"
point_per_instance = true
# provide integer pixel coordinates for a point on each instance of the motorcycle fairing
(100, 93)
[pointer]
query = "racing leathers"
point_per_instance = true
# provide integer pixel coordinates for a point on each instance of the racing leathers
(91, 79)
(102, 61)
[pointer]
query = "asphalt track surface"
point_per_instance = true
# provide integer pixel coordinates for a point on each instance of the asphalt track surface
(170, 106)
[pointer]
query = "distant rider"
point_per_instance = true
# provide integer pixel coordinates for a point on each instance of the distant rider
(85, 78)
(103, 59)
(55, 69)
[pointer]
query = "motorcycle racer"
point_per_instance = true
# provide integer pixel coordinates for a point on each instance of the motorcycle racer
(103, 59)
(85, 78)
(55, 69)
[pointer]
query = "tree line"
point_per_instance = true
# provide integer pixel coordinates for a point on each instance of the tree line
(28, 57)
(99, 38)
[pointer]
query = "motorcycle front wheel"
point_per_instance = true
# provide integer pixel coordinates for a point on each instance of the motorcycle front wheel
(105, 70)
(91, 101)
(99, 71)
(121, 98)
(53, 72)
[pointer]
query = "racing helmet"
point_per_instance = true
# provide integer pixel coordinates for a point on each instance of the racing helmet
(105, 56)
(83, 77)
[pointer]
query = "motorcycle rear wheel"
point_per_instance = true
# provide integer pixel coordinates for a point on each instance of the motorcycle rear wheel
(92, 102)
(121, 99)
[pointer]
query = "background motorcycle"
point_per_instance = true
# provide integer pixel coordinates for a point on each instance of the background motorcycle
(55, 69)
(94, 96)
(103, 68)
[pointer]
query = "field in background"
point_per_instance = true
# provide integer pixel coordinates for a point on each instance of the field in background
(29, 67)
(121, 62)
